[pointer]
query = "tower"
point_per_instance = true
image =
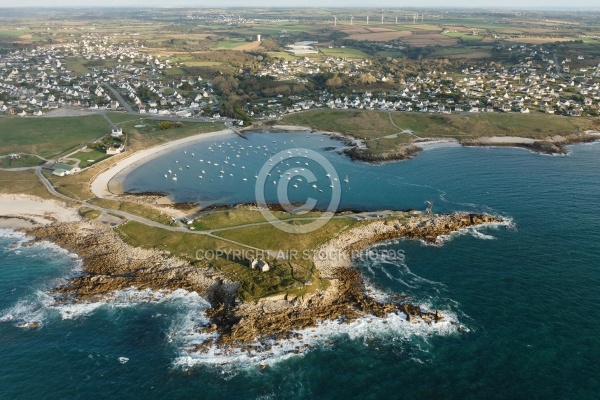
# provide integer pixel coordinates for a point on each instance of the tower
(258, 38)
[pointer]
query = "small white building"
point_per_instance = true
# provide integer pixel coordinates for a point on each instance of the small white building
(115, 150)
(116, 132)
(260, 264)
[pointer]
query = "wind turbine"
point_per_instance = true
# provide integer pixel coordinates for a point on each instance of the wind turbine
(382, 19)
(367, 20)
(351, 19)
(334, 20)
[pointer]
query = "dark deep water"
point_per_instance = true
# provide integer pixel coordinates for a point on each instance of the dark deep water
(528, 296)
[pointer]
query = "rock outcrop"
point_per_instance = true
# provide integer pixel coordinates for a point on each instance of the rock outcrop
(110, 265)
(346, 298)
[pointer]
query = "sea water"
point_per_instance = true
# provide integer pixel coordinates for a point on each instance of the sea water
(526, 297)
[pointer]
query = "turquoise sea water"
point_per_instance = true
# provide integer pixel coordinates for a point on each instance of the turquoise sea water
(527, 296)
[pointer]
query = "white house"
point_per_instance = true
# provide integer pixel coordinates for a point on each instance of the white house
(115, 150)
(259, 264)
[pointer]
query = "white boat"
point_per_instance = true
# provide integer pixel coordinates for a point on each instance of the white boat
(346, 179)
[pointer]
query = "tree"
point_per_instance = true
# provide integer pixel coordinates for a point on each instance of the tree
(367, 79)
(335, 82)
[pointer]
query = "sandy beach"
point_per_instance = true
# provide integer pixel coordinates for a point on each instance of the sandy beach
(507, 140)
(109, 182)
(19, 211)
(436, 144)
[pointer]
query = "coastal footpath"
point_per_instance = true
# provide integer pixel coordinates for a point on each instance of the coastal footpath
(110, 265)
(347, 297)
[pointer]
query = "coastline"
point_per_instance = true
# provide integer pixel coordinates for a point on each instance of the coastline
(111, 265)
(109, 182)
(20, 211)
(357, 150)
(347, 297)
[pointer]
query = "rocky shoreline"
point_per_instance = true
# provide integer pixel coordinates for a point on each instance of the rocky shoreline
(357, 151)
(346, 298)
(551, 146)
(110, 265)
(360, 154)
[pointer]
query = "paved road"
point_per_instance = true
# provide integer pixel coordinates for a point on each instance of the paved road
(155, 224)
(112, 124)
(557, 64)
(120, 98)
(130, 110)
(127, 215)
(402, 130)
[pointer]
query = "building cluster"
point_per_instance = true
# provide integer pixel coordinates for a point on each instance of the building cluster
(86, 74)
(537, 82)
(95, 73)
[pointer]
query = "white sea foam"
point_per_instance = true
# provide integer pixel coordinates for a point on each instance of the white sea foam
(475, 231)
(21, 240)
(394, 328)
(194, 347)
(39, 308)
(17, 238)
(187, 330)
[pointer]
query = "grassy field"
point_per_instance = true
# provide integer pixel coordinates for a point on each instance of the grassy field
(461, 126)
(49, 137)
(141, 210)
(120, 117)
(284, 277)
(347, 52)
(229, 44)
(382, 136)
(232, 218)
(77, 186)
(360, 124)
(467, 37)
(150, 135)
(25, 182)
(88, 157)
(22, 161)
(77, 65)
(468, 52)
(269, 237)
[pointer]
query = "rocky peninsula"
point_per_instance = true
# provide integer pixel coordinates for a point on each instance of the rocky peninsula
(109, 265)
